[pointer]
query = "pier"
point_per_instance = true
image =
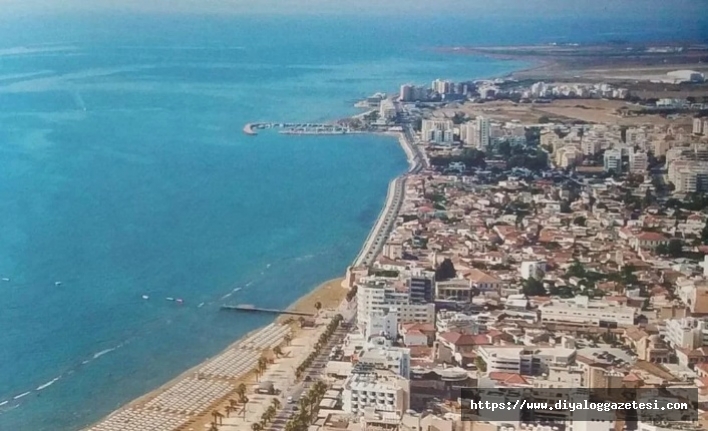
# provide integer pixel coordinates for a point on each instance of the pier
(248, 308)
(251, 129)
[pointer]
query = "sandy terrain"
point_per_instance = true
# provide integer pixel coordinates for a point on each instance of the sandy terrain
(589, 110)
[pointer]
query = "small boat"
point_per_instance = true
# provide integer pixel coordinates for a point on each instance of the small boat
(5, 279)
(146, 297)
(201, 304)
(169, 298)
(180, 301)
(57, 283)
(237, 289)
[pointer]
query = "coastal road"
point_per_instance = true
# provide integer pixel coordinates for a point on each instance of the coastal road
(384, 224)
(311, 375)
(394, 199)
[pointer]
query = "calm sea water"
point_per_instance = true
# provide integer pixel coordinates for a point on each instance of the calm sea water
(124, 172)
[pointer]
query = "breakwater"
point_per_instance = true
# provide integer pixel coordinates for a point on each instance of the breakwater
(299, 128)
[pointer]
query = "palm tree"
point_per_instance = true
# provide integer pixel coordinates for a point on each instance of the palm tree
(288, 339)
(318, 306)
(262, 365)
(256, 427)
(241, 391)
(277, 351)
(244, 400)
(276, 403)
(212, 427)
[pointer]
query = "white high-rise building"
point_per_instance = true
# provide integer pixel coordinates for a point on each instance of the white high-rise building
(469, 135)
(439, 131)
(387, 110)
(613, 160)
(638, 162)
(484, 133)
(406, 93)
(375, 298)
(442, 87)
(383, 391)
(698, 127)
(590, 147)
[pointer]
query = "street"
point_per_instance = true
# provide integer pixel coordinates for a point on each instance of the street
(309, 377)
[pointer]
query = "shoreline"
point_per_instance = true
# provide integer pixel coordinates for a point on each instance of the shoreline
(370, 249)
(305, 302)
(392, 205)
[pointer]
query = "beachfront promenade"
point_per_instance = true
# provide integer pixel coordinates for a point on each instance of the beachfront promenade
(394, 199)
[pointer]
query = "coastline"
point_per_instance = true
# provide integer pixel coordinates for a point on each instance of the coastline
(330, 294)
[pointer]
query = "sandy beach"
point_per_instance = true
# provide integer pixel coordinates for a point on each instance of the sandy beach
(188, 401)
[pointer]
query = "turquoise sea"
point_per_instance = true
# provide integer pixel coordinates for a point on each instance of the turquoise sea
(124, 172)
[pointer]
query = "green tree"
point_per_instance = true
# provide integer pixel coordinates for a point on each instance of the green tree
(565, 207)
(579, 221)
(704, 234)
(445, 271)
(576, 269)
(481, 365)
(662, 250)
(675, 248)
(533, 287)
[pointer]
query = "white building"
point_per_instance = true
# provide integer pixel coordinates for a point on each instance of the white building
(406, 93)
(687, 333)
(382, 323)
(438, 131)
(613, 160)
(483, 132)
(638, 162)
(387, 110)
(590, 147)
(442, 87)
(469, 135)
(583, 311)
(679, 76)
(528, 361)
(378, 297)
(385, 357)
(533, 269)
(382, 390)
(698, 126)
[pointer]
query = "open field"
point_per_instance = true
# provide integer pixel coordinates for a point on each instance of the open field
(588, 110)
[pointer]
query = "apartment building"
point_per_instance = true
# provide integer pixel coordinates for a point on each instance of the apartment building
(384, 391)
(583, 311)
(687, 333)
(438, 131)
(530, 361)
(379, 296)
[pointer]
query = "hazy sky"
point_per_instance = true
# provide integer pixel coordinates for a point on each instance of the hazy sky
(660, 8)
